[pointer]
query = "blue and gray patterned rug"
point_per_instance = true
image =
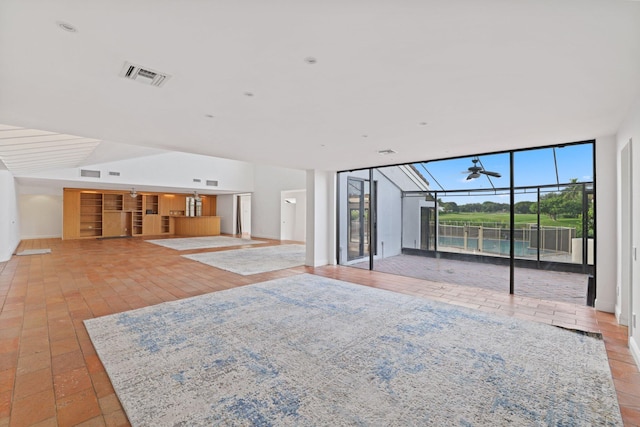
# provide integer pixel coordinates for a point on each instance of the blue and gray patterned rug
(205, 242)
(311, 351)
(254, 260)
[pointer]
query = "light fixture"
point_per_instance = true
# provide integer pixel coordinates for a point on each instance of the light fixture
(195, 194)
(67, 27)
(310, 60)
(133, 193)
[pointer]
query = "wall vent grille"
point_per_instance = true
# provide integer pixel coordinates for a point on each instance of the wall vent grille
(89, 173)
(114, 173)
(212, 183)
(197, 180)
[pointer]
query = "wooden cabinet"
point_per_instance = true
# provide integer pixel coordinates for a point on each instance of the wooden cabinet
(115, 224)
(110, 213)
(150, 224)
(197, 225)
(70, 214)
(209, 205)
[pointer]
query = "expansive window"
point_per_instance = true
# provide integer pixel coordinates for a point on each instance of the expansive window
(511, 211)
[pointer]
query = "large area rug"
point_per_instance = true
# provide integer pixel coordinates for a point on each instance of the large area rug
(188, 243)
(254, 260)
(311, 351)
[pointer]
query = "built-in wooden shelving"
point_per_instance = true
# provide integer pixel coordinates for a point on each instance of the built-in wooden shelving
(112, 213)
(90, 214)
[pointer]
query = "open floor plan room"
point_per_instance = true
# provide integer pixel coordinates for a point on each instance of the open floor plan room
(51, 375)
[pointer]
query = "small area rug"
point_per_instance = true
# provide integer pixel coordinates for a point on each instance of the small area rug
(311, 351)
(254, 260)
(34, 252)
(188, 243)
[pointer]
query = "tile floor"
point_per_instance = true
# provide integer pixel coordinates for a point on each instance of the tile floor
(50, 374)
(541, 284)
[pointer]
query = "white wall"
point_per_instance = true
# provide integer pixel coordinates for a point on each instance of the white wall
(412, 220)
(630, 129)
(9, 218)
(606, 222)
(173, 170)
(389, 219)
(268, 184)
(40, 216)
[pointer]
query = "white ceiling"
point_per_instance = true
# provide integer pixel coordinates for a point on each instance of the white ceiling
(428, 79)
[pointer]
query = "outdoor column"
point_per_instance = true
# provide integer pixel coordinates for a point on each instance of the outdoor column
(480, 233)
(466, 237)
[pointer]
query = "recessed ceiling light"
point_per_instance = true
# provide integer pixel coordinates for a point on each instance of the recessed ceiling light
(209, 116)
(67, 27)
(310, 60)
(248, 94)
(387, 151)
(365, 136)
(423, 123)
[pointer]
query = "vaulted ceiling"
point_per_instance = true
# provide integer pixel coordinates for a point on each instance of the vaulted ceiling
(321, 84)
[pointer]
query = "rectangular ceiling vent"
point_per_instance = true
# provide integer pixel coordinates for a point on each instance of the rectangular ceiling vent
(111, 173)
(89, 173)
(197, 180)
(143, 75)
(211, 183)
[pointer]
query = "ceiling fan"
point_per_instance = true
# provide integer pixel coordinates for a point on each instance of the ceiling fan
(475, 170)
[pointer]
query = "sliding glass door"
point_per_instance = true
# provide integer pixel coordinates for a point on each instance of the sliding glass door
(358, 218)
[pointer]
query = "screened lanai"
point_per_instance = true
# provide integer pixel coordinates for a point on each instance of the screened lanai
(519, 222)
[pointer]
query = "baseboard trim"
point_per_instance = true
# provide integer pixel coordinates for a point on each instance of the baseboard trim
(621, 320)
(635, 351)
(49, 236)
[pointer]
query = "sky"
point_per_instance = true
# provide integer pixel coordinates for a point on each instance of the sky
(531, 167)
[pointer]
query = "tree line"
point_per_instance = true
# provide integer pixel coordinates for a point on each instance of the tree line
(566, 203)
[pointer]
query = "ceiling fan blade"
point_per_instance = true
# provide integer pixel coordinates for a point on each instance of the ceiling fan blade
(473, 176)
(490, 173)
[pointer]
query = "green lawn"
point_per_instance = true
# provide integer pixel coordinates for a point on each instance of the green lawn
(521, 219)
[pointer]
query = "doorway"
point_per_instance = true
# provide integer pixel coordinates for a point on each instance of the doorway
(623, 310)
(243, 219)
(427, 228)
(358, 218)
(293, 215)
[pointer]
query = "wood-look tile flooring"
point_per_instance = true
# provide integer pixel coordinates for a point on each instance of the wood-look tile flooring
(50, 374)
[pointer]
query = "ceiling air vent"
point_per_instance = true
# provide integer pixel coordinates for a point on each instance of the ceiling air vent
(211, 183)
(197, 180)
(143, 75)
(89, 173)
(111, 173)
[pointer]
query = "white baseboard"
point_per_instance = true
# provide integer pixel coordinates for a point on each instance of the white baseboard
(621, 320)
(635, 350)
(48, 236)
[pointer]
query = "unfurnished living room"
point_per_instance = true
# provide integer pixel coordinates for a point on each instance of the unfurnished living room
(289, 213)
